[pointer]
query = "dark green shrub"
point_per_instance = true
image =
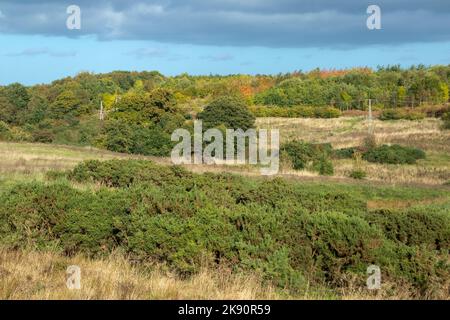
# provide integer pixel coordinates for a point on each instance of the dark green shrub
(414, 227)
(358, 174)
(328, 112)
(344, 153)
(342, 243)
(305, 155)
(301, 112)
(324, 166)
(394, 154)
(415, 116)
(120, 173)
(397, 114)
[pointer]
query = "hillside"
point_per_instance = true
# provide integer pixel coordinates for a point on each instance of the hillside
(86, 178)
(230, 223)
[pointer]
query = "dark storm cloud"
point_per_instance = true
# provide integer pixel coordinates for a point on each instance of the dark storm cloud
(272, 23)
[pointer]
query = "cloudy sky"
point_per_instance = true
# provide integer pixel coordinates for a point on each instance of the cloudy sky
(216, 36)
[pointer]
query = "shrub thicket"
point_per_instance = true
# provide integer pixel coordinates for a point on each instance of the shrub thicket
(294, 235)
(394, 154)
(304, 155)
(344, 153)
(357, 174)
(406, 114)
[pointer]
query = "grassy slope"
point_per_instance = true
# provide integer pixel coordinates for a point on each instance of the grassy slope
(116, 278)
(350, 131)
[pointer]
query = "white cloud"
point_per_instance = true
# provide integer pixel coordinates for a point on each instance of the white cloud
(31, 52)
(149, 53)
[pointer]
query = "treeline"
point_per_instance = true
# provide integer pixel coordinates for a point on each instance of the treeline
(387, 87)
(136, 105)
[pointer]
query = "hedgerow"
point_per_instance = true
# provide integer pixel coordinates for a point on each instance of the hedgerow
(295, 112)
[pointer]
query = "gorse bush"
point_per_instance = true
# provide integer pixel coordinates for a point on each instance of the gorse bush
(394, 154)
(304, 155)
(414, 227)
(327, 113)
(406, 114)
(295, 235)
(357, 174)
(114, 173)
(344, 153)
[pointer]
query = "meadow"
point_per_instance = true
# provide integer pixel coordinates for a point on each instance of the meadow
(344, 132)
(143, 229)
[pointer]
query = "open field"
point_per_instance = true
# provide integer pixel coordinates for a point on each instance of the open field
(23, 158)
(27, 273)
(350, 132)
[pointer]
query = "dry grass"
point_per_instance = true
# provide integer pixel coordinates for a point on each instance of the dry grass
(25, 159)
(42, 275)
(31, 275)
(350, 132)
(30, 158)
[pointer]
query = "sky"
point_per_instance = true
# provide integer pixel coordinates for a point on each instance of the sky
(216, 36)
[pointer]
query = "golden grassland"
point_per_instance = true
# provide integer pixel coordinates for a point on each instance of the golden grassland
(42, 275)
(350, 132)
(19, 159)
(31, 275)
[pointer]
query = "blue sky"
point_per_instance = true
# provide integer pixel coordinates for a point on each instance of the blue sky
(218, 37)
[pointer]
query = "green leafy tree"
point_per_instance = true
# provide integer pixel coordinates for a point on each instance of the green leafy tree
(142, 108)
(228, 111)
(18, 95)
(37, 109)
(67, 103)
(118, 136)
(7, 110)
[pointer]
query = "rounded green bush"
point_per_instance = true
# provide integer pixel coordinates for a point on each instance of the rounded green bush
(394, 154)
(358, 174)
(231, 112)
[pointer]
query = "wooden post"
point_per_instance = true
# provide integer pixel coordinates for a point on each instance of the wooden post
(370, 117)
(102, 115)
